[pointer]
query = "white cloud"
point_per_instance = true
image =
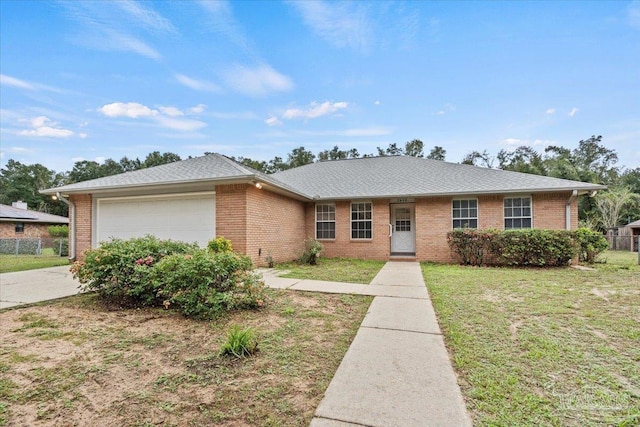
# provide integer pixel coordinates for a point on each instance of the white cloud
(376, 103)
(82, 135)
(447, 108)
(273, 121)
(166, 117)
(23, 84)
(551, 111)
(109, 25)
(12, 81)
(201, 85)
(356, 132)
(341, 24)
(100, 159)
(314, 110)
(171, 111)
(44, 127)
(130, 109)
(20, 150)
(573, 111)
(513, 143)
(197, 109)
(258, 81)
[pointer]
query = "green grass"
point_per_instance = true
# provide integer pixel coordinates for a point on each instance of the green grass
(619, 259)
(9, 263)
(533, 347)
(335, 270)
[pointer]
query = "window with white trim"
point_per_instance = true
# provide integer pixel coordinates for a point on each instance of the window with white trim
(465, 213)
(517, 212)
(361, 220)
(325, 221)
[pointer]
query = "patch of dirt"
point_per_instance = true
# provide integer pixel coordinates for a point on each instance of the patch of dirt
(602, 293)
(74, 362)
(513, 329)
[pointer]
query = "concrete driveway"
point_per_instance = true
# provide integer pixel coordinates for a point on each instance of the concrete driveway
(25, 287)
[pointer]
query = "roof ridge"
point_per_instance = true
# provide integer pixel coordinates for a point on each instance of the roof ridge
(239, 166)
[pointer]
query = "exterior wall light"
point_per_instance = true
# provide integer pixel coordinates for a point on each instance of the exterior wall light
(258, 185)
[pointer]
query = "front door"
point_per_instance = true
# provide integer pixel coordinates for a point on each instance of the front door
(403, 233)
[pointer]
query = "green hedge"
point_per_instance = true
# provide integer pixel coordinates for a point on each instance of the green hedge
(530, 247)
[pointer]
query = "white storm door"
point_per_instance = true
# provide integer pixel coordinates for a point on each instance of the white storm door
(403, 234)
(185, 217)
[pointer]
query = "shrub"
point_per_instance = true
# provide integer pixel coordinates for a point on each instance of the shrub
(61, 246)
(312, 251)
(58, 230)
(220, 244)
(240, 342)
(531, 247)
(470, 245)
(119, 270)
(590, 244)
(534, 247)
(203, 284)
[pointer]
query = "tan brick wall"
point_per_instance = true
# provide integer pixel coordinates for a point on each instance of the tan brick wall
(231, 214)
(275, 226)
(260, 223)
(83, 221)
(31, 230)
(378, 247)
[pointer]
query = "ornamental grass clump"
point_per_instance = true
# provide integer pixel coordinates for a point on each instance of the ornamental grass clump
(240, 342)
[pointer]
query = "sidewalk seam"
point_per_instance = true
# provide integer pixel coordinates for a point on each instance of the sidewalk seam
(344, 421)
(402, 330)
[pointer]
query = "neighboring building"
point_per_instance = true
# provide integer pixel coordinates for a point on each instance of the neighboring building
(17, 222)
(375, 207)
(633, 229)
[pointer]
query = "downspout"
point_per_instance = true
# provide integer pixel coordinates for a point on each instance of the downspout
(567, 209)
(72, 226)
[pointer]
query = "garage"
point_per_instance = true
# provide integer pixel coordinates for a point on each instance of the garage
(186, 217)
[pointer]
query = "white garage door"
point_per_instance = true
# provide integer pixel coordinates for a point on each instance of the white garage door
(189, 218)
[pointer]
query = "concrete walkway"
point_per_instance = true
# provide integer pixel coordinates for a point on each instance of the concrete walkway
(26, 287)
(397, 371)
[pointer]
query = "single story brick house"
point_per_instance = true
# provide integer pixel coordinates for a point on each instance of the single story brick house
(19, 222)
(375, 207)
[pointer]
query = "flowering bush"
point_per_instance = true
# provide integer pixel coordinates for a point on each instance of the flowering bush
(119, 269)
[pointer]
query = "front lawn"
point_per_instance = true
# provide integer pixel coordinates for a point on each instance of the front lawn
(10, 263)
(334, 270)
(544, 346)
(74, 362)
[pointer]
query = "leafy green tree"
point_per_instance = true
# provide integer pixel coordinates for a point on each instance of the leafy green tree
(477, 158)
(414, 148)
(259, 165)
(611, 203)
(157, 159)
(276, 165)
(337, 154)
(437, 153)
(300, 157)
(24, 182)
(129, 165)
(522, 159)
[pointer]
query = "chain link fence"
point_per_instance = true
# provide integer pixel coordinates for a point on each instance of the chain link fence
(35, 246)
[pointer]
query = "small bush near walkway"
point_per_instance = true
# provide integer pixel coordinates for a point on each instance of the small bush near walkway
(147, 271)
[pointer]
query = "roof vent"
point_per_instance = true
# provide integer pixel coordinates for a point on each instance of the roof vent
(20, 205)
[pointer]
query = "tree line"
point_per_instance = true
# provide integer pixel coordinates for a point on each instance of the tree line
(591, 161)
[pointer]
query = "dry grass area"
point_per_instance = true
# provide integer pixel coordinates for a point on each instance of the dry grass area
(73, 362)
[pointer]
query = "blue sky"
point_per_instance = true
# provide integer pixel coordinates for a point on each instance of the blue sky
(93, 80)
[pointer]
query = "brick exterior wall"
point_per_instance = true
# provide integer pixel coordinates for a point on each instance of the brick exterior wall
(31, 230)
(378, 247)
(83, 222)
(260, 223)
(433, 220)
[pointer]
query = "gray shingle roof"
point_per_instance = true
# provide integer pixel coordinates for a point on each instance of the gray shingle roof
(212, 167)
(398, 176)
(9, 213)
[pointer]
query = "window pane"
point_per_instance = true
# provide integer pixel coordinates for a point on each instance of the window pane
(456, 204)
(526, 223)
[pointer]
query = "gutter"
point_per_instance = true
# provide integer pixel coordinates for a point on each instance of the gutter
(72, 226)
